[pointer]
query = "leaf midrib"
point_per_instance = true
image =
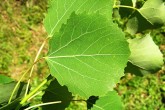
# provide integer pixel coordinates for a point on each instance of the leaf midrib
(84, 55)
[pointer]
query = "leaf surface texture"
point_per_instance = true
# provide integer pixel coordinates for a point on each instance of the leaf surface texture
(145, 53)
(88, 55)
(60, 10)
(153, 11)
(110, 101)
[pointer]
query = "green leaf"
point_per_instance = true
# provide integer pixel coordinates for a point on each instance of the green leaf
(12, 106)
(88, 55)
(111, 101)
(4, 79)
(56, 92)
(6, 90)
(145, 53)
(134, 24)
(133, 69)
(60, 10)
(153, 11)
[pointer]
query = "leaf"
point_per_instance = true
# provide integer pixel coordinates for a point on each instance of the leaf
(88, 55)
(60, 10)
(133, 69)
(111, 101)
(11, 106)
(134, 24)
(6, 90)
(56, 92)
(4, 79)
(153, 11)
(145, 53)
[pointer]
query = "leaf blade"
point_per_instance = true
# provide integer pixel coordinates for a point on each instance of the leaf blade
(88, 51)
(56, 92)
(4, 79)
(111, 101)
(142, 56)
(153, 11)
(60, 10)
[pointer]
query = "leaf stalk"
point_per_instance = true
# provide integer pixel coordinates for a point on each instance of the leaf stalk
(33, 92)
(124, 6)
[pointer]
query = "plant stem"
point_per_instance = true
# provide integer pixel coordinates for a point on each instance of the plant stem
(15, 88)
(48, 103)
(36, 58)
(34, 95)
(80, 100)
(123, 6)
(33, 92)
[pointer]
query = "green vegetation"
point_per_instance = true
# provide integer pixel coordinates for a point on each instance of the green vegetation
(22, 33)
(143, 93)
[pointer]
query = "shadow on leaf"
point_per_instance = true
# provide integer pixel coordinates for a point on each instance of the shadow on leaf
(56, 92)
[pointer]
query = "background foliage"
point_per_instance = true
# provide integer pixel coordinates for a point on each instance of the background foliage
(21, 34)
